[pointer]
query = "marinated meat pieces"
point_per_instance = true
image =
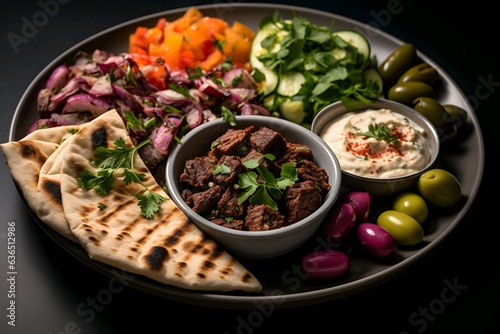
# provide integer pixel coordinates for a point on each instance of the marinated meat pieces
(198, 171)
(233, 163)
(233, 142)
(203, 202)
(228, 205)
(235, 224)
(267, 141)
(239, 163)
(253, 154)
(295, 152)
(263, 218)
(309, 171)
(300, 200)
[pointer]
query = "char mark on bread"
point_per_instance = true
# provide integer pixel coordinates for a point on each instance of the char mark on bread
(100, 138)
(156, 257)
(28, 151)
(53, 189)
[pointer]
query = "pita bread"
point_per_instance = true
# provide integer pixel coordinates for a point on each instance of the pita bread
(25, 159)
(48, 200)
(30, 160)
(53, 135)
(168, 248)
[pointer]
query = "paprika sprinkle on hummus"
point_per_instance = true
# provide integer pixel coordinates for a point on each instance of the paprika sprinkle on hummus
(377, 143)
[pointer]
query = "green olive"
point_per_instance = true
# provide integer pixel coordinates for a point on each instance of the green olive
(434, 111)
(404, 229)
(407, 92)
(398, 61)
(440, 187)
(458, 114)
(422, 72)
(412, 204)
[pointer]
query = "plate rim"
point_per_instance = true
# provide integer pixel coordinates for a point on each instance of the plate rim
(223, 300)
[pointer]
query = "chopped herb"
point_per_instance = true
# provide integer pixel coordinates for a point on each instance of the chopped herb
(228, 116)
(219, 81)
(219, 44)
(130, 74)
(195, 73)
(255, 162)
(270, 187)
(236, 80)
(110, 161)
(221, 169)
(180, 89)
(133, 121)
(380, 132)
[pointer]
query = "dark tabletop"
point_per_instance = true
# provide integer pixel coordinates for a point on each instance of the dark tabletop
(54, 291)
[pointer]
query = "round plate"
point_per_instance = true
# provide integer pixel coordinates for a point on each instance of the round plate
(284, 286)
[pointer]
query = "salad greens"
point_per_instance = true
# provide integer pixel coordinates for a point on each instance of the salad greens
(295, 60)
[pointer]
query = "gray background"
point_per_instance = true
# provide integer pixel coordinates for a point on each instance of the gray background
(53, 289)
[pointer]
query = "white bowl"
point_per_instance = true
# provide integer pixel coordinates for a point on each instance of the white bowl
(382, 186)
(255, 244)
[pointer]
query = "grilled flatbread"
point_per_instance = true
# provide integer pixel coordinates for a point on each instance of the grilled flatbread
(25, 158)
(53, 135)
(48, 200)
(167, 248)
(30, 160)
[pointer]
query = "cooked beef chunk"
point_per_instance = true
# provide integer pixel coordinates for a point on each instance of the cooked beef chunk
(308, 170)
(186, 193)
(266, 141)
(253, 154)
(228, 205)
(215, 195)
(198, 171)
(235, 224)
(233, 142)
(262, 218)
(205, 201)
(295, 152)
(300, 200)
(234, 164)
(268, 164)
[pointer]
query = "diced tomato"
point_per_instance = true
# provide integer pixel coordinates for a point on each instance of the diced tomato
(187, 59)
(215, 58)
(193, 40)
(158, 76)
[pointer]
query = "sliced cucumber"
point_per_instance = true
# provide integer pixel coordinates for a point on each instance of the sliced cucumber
(373, 75)
(293, 110)
(268, 86)
(355, 39)
(271, 77)
(269, 102)
(290, 83)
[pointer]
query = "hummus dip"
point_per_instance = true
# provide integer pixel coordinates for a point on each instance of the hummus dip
(367, 156)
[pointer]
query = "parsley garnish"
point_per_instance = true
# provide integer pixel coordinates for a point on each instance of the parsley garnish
(228, 116)
(380, 132)
(180, 89)
(110, 161)
(221, 169)
(268, 187)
